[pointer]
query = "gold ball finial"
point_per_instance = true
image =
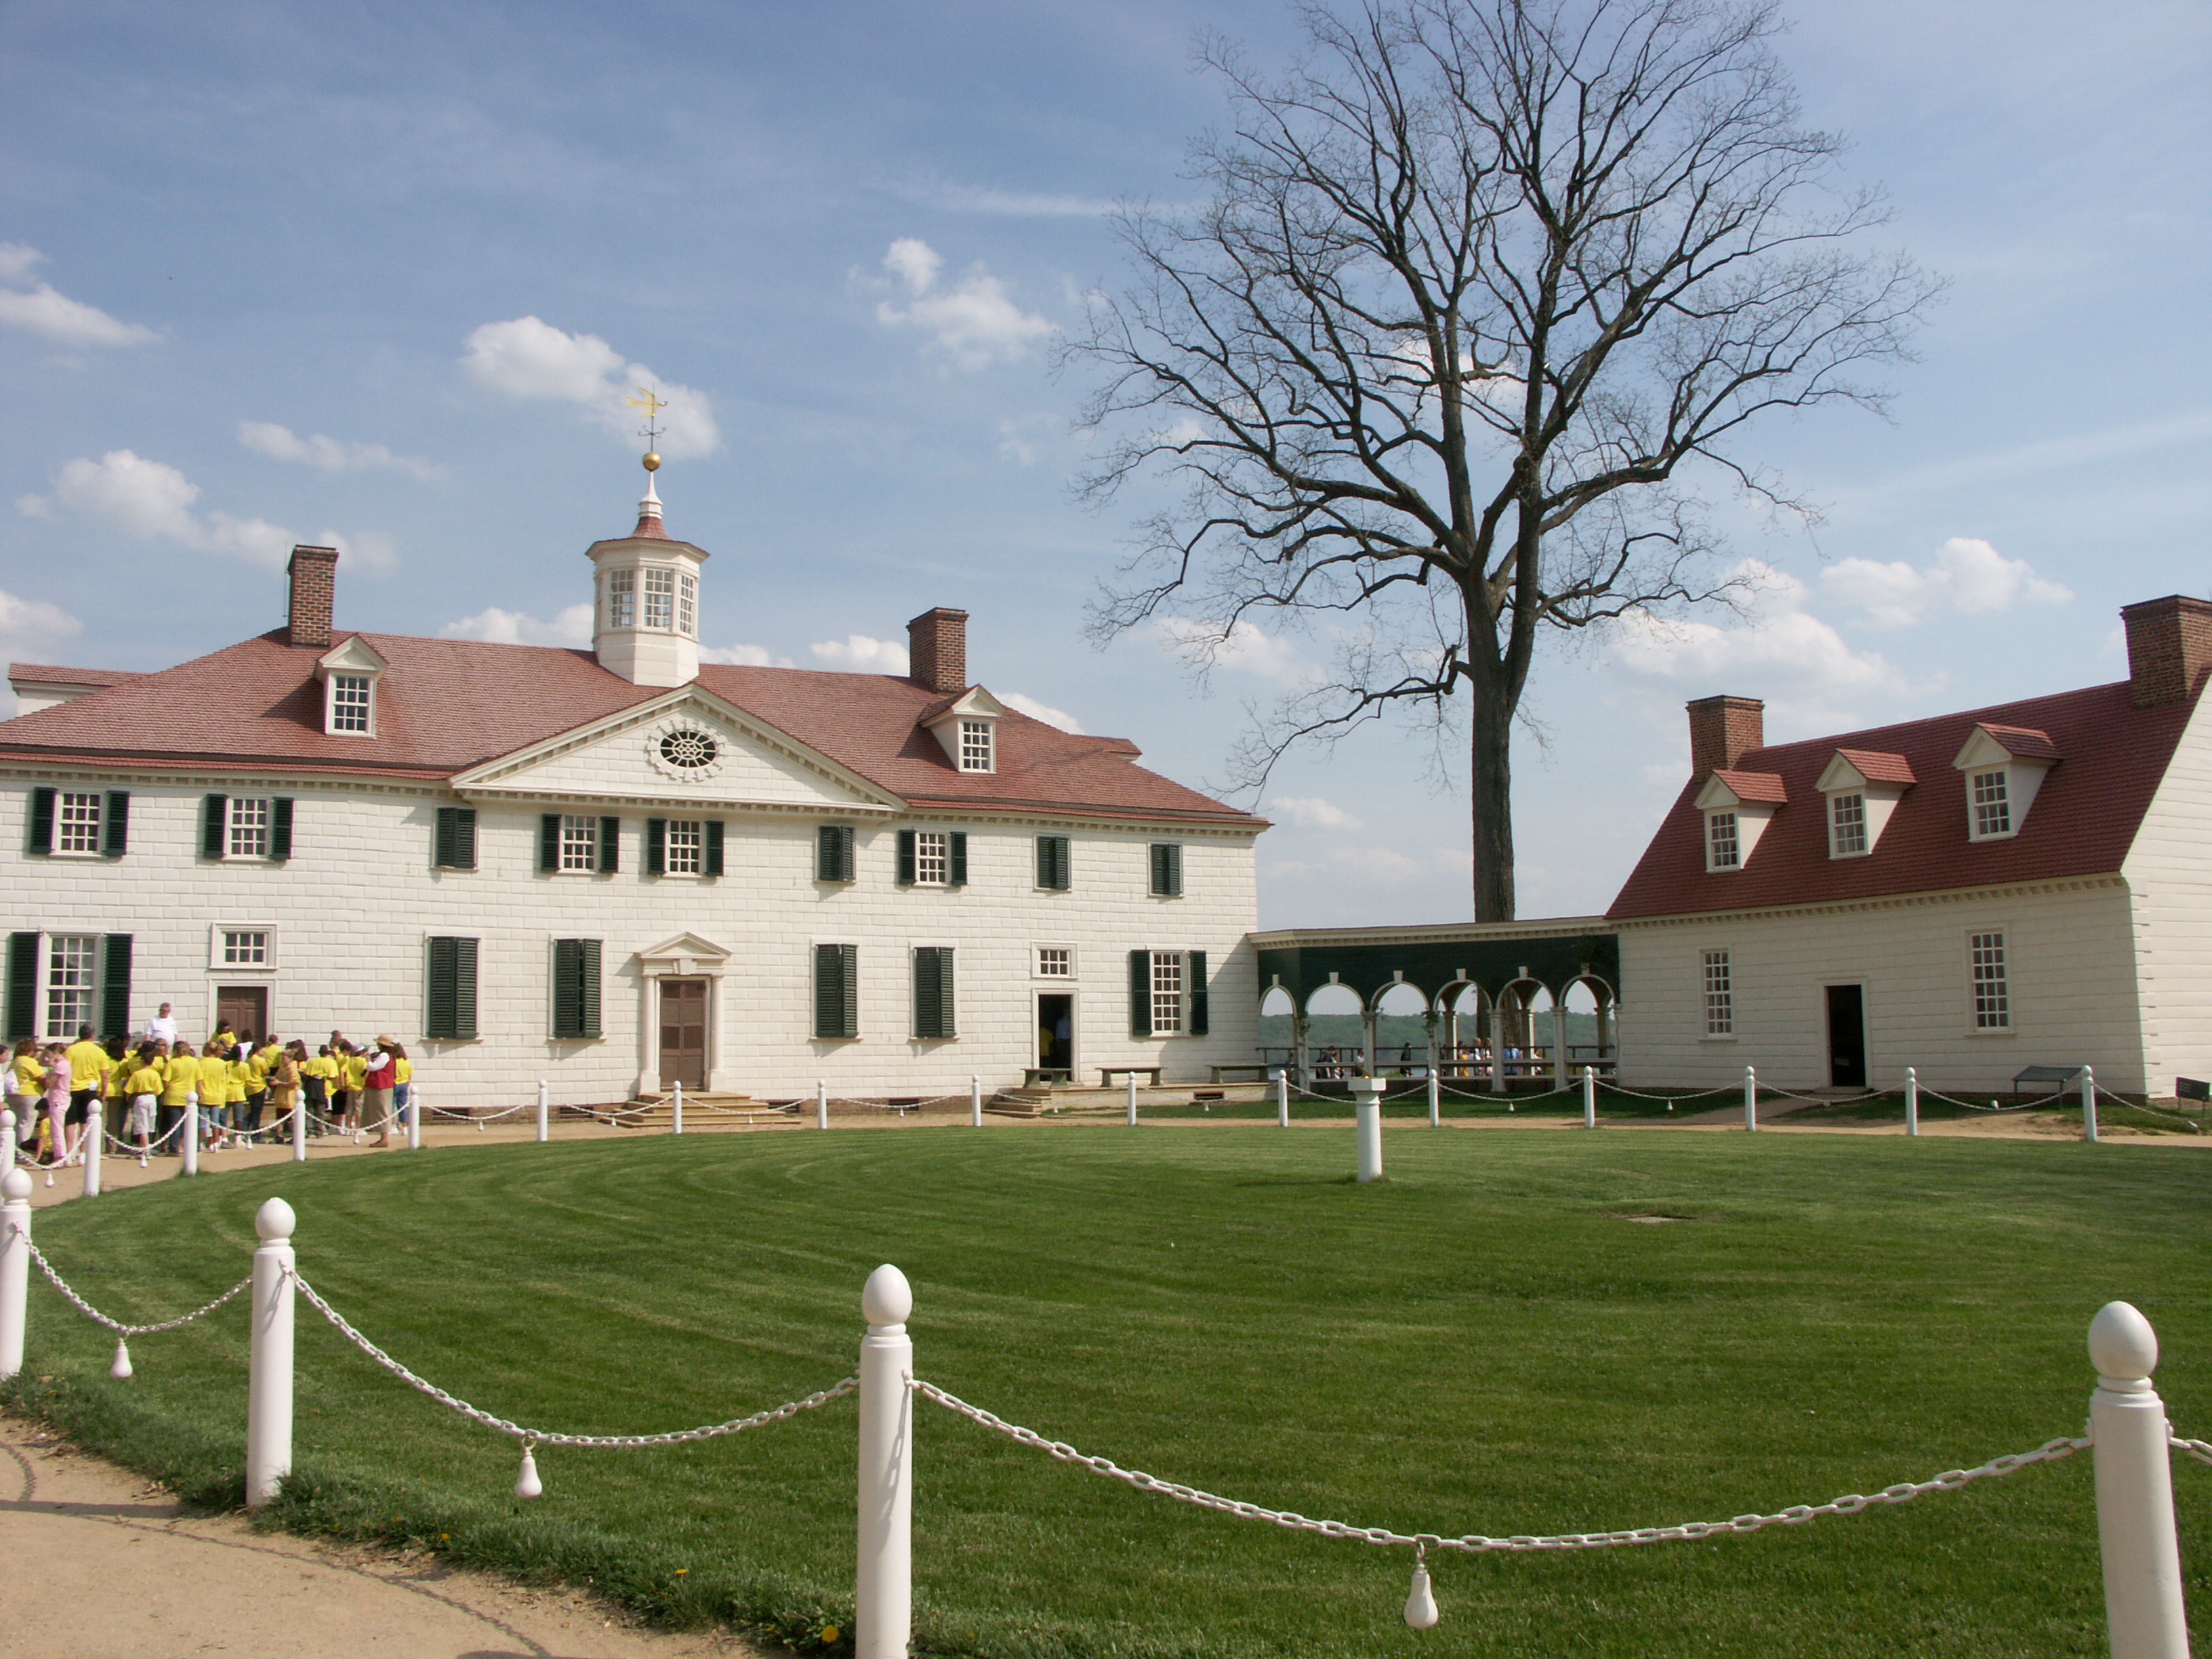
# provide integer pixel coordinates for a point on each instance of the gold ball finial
(652, 461)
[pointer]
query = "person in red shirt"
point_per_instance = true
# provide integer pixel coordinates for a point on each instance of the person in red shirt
(377, 1105)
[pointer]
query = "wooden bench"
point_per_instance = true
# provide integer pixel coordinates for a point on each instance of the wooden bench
(1034, 1077)
(1260, 1069)
(1108, 1073)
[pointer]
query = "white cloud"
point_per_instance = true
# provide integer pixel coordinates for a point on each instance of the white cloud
(55, 316)
(147, 499)
(860, 654)
(30, 631)
(572, 626)
(743, 656)
(973, 322)
(532, 362)
(1043, 711)
(1015, 443)
(1786, 644)
(1310, 812)
(948, 196)
(1966, 574)
(367, 551)
(1245, 649)
(330, 455)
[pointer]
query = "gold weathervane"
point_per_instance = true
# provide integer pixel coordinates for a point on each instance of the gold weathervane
(651, 430)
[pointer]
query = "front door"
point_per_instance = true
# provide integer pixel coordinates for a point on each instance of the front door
(1055, 1021)
(244, 1008)
(1847, 1067)
(684, 1033)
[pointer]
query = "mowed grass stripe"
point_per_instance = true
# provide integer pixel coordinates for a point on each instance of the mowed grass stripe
(1483, 1342)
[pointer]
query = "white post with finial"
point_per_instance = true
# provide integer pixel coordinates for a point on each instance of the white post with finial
(188, 1136)
(96, 1130)
(975, 1101)
(821, 1104)
(1912, 1100)
(1283, 1099)
(1133, 1100)
(15, 1266)
(1589, 1097)
(1751, 1098)
(1436, 1091)
(1367, 1117)
(676, 1110)
(414, 1118)
(2143, 1613)
(8, 1133)
(2088, 1103)
(542, 1094)
(883, 1589)
(299, 1126)
(268, 1359)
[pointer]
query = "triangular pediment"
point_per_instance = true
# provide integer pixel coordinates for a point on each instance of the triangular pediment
(354, 656)
(685, 948)
(685, 748)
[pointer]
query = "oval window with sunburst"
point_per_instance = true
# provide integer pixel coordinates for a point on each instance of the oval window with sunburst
(688, 750)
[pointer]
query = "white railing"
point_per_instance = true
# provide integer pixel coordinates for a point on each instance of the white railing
(2132, 1443)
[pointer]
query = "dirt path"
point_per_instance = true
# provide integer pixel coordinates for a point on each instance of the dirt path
(101, 1566)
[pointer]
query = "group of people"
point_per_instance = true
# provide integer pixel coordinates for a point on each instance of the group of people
(60, 1093)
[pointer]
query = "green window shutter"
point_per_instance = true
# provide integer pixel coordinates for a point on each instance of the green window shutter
(464, 988)
(441, 839)
(610, 843)
(848, 861)
(42, 820)
(280, 828)
(956, 863)
(549, 841)
(451, 1010)
(1167, 870)
(588, 994)
(568, 981)
(215, 809)
(1053, 863)
(933, 992)
(656, 847)
(1195, 981)
(836, 993)
(833, 853)
(115, 986)
(713, 847)
(906, 858)
(22, 985)
(464, 838)
(115, 825)
(1140, 994)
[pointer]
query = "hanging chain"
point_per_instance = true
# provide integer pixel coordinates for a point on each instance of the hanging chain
(97, 1317)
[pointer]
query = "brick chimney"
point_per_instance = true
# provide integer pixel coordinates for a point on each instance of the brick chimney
(937, 650)
(314, 574)
(2169, 648)
(1723, 730)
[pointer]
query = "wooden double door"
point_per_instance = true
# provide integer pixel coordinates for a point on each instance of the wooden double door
(684, 1004)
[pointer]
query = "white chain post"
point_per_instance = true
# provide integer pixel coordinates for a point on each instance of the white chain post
(975, 1102)
(2088, 1103)
(8, 1132)
(1283, 1100)
(1912, 1100)
(1133, 1100)
(1751, 1099)
(268, 1359)
(2135, 1491)
(299, 1126)
(542, 1093)
(1367, 1116)
(1589, 1097)
(14, 1265)
(96, 1130)
(414, 1118)
(188, 1138)
(882, 1590)
(676, 1117)
(821, 1104)
(1436, 1091)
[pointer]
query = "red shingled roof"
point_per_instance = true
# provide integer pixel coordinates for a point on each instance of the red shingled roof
(2084, 819)
(446, 705)
(47, 673)
(1877, 767)
(1765, 787)
(2022, 742)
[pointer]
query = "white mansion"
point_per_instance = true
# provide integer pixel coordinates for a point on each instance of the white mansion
(617, 869)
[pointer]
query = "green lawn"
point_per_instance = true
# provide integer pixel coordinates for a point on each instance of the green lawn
(1484, 1342)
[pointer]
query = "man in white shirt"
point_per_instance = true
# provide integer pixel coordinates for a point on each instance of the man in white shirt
(162, 1028)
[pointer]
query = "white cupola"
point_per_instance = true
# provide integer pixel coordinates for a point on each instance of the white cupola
(644, 611)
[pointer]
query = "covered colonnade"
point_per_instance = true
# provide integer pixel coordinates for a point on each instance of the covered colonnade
(1500, 1001)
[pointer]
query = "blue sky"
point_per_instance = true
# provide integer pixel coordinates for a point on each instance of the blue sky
(382, 273)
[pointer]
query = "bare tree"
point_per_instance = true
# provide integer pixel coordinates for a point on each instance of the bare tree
(1485, 296)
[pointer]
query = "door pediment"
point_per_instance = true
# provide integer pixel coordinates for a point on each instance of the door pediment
(685, 954)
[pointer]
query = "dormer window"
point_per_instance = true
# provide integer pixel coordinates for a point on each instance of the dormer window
(349, 703)
(975, 746)
(2004, 767)
(349, 673)
(1722, 850)
(1737, 807)
(1992, 805)
(1863, 788)
(1847, 826)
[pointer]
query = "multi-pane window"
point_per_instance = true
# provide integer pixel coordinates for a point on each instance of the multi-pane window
(76, 824)
(1992, 804)
(249, 827)
(687, 605)
(1720, 995)
(1167, 993)
(1722, 849)
(975, 745)
(244, 948)
(349, 702)
(622, 599)
(931, 858)
(1055, 962)
(1847, 825)
(686, 849)
(71, 961)
(580, 842)
(1992, 996)
(660, 599)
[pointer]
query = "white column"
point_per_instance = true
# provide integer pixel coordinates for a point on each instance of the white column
(883, 1589)
(1912, 1100)
(676, 1110)
(975, 1102)
(1559, 1044)
(188, 1137)
(299, 1126)
(15, 1266)
(1751, 1098)
(1133, 1100)
(2143, 1611)
(1589, 1097)
(269, 1361)
(1497, 1048)
(1435, 1089)
(1283, 1099)
(414, 1117)
(2088, 1103)
(95, 1142)
(821, 1104)
(1367, 1116)
(542, 1094)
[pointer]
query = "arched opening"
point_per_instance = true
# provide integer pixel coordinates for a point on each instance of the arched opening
(1401, 1031)
(1463, 1030)
(1524, 1009)
(1334, 1032)
(1282, 1028)
(1592, 1033)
